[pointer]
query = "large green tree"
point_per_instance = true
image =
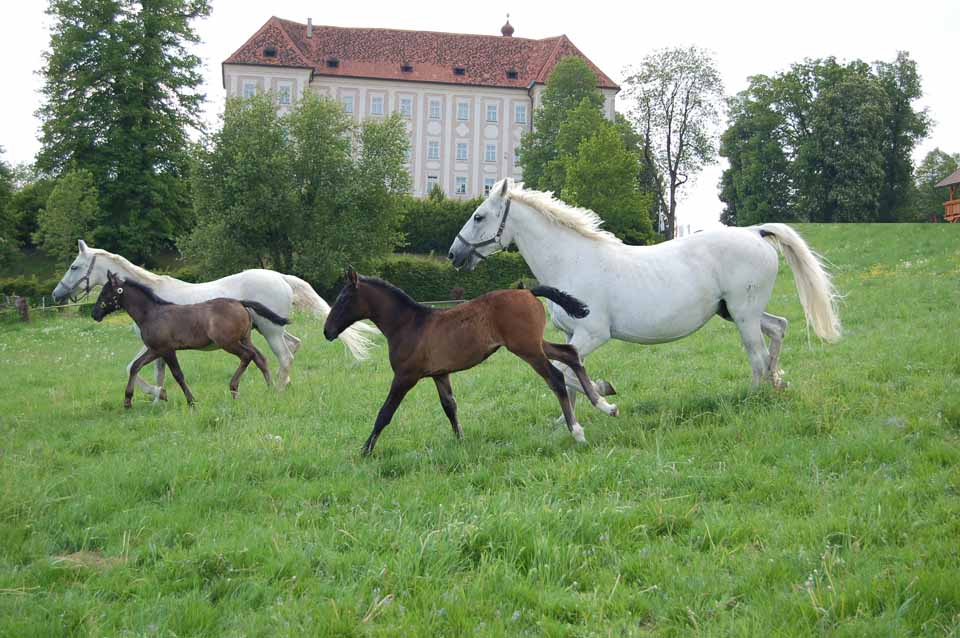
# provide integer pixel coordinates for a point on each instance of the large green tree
(120, 93)
(823, 141)
(675, 97)
(307, 192)
(70, 213)
(8, 239)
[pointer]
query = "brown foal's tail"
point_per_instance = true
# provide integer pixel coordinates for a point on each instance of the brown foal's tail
(573, 306)
(265, 312)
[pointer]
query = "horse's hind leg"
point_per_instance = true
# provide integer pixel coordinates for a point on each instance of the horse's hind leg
(174, 363)
(449, 403)
(774, 328)
(752, 338)
(567, 354)
(292, 342)
(146, 357)
(555, 380)
(259, 359)
(274, 335)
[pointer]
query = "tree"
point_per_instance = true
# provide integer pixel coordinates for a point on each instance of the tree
(928, 199)
(824, 141)
(8, 240)
(120, 93)
(569, 84)
(602, 176)
(677, 96)
(306, 192)
(70, 214)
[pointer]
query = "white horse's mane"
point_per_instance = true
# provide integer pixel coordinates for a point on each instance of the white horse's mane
(142, 273)
(582, 220)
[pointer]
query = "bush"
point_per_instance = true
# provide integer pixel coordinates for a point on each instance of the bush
(31, 287)
(430, 225)
(434, 279)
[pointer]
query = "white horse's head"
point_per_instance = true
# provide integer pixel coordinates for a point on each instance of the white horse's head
(486, 232)
(84, 273)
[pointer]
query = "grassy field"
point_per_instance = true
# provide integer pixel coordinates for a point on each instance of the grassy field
(832, 508)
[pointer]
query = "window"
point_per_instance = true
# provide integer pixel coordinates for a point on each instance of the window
(491, 112)
(463, 111)
(488, 183)
(520, 113)
(249, 89)
(432, 182)
(511, 75)
(434, 109)
(347, 101)
(406, 106)
(461, 151)
(270, 52)
(333, 63)
(376, 105)
(459, 70)
(433, 150)
(406, 68)
(490, 153)
(283, 93)
(516, 156)
(460, 185)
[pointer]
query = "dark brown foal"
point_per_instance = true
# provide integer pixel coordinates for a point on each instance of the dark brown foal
(426, 342)
(165, 328)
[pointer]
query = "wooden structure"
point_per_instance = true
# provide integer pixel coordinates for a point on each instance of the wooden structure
(951, 207)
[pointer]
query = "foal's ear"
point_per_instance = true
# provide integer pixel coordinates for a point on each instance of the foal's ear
(352, 277)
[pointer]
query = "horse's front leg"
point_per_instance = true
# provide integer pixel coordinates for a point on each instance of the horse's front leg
(153, 391)
(138, 363)
(398, 390)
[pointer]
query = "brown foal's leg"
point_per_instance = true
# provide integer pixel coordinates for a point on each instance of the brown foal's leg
(398, 390)
(174, 363)
(141, 361)
(448, 402)
(245, 355)
(259, 359)
(554, 379)
(568, 355)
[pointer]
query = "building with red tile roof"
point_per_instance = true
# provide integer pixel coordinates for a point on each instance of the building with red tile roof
(467, 98)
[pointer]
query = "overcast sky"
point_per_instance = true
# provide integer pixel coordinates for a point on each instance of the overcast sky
(746, 38)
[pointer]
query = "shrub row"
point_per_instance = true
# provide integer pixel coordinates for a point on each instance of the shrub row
(30, 286)
(434, 279)
(430, 224)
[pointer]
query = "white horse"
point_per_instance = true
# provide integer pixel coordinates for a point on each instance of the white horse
(651, 294)
(276, 291)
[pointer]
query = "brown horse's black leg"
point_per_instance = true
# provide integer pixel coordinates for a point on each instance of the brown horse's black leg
(568, 355)
(260, 362)
(141, 361)
(448, 402)
(235, 379)
(398, 390)
(555, 380)
(174, 363)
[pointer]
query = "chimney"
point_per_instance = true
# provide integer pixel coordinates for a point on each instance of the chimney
(309, 27)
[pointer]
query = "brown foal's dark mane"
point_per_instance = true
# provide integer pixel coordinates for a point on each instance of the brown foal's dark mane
(401, 297)
(147, 291)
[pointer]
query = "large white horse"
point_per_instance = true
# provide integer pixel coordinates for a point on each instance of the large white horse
(651, 294)
(278, 292)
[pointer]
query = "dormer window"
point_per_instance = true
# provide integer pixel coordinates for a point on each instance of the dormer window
(459, 70)
(333, 63)
(511, 75)
(270, 52)
(406, 68)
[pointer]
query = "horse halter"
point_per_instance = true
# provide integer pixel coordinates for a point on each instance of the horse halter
(85, 279)
(493, 240)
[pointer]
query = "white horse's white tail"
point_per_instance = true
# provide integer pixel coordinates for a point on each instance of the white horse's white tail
(817, 294)
(304, 296)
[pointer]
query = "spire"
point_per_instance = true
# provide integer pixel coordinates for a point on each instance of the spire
(507, 29)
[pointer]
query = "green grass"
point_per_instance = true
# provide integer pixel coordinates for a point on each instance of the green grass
(831, 508)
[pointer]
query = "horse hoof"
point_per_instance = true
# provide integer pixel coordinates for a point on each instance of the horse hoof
(615, 411)
(127, 405)
(605, 388)
(163, 394)
(577, 433)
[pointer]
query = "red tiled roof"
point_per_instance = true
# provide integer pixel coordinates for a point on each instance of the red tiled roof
(379, 54)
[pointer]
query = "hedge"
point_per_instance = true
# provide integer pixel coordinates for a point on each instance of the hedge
(434, 279)
(430, 224)
(30, 286)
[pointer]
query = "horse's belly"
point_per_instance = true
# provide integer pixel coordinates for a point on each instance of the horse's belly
(661, 327)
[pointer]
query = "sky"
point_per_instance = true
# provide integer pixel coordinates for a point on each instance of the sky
(745, 38)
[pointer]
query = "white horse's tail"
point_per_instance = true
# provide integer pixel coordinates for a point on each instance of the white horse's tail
(817, 294)
(304, 296)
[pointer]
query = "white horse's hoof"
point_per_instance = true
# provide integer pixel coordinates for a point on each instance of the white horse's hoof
(577, 433)
(610, 409)
(605, 388)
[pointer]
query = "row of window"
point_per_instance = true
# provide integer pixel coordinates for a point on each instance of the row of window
(435, 109)
(460, 184)
(285, 90)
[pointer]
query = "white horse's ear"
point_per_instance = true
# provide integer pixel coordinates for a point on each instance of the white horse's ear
(82, 245)
(503, 189)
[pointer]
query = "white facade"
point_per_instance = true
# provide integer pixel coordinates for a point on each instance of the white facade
(443, 120)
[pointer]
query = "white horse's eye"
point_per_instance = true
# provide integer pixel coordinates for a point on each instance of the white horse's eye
(73, 267)
(478, 218)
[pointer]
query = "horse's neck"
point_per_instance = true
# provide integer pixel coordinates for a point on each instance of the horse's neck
(550, 250)
(137, 305)
(127, 270)
(388, 314)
